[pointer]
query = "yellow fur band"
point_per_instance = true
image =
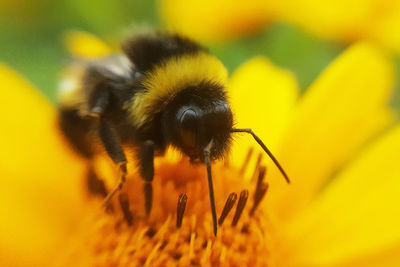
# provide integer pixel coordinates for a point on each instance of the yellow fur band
(171, 77)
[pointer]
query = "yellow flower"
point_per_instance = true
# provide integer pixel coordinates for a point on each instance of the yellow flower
(339, 20)
(340, 210)
(218, 20)
(40, 199)
(83, 44)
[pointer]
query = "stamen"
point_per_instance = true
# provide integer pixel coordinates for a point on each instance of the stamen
(245, 228)
(124, 203)
(261, 189)
(257, 167)
(222, 256)
(258, 196)
(180, 209)
(163, 230)
(195, 262)
(206, 256)
(240, 207)
(176, 255)
(230, 202)
(152, 254)
(246, 161)
(261, 175)
(151, 232)
(191, 245)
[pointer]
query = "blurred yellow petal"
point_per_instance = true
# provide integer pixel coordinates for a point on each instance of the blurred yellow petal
(342, 20)
(389, 257)
(333, 19)
(343, 109)
(358, 214)
(218, 20)
(39, 185)
(345, 20)
(263, 97)
(84, 44)
(386, 30)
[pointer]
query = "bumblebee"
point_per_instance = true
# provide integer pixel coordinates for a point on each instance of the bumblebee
(162, 90)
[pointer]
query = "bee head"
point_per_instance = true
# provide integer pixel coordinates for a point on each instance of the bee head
(196, 117)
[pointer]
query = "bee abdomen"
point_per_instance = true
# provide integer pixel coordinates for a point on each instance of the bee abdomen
(79, 131)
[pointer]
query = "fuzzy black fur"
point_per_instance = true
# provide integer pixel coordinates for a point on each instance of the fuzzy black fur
(78, 131)
(148, 50)
(213, 120)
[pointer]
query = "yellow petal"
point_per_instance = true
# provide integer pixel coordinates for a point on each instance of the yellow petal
(84, 44)
(262, 98)
(358, 213)
(215, 20)
(345, 20)
(334, 19)
(389, 257)
(386, 30)
(40, 177)
(343, 109)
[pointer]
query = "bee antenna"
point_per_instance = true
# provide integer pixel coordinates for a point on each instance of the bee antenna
(207, 151)
(264, 147)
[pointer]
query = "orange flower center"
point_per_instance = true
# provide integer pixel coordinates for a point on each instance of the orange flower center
(178, 230)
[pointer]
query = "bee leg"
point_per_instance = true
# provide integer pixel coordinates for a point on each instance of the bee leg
(145, 157)
(111, 143)
(98, 101)
(148, 196)
(95, 185)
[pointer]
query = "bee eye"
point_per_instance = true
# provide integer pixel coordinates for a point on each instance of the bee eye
(187, 118)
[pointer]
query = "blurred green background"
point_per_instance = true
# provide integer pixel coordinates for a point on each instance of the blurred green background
(31, 38)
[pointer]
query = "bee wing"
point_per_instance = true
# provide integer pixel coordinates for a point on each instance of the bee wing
(114, 67)
(81, 75)
(70, 89)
